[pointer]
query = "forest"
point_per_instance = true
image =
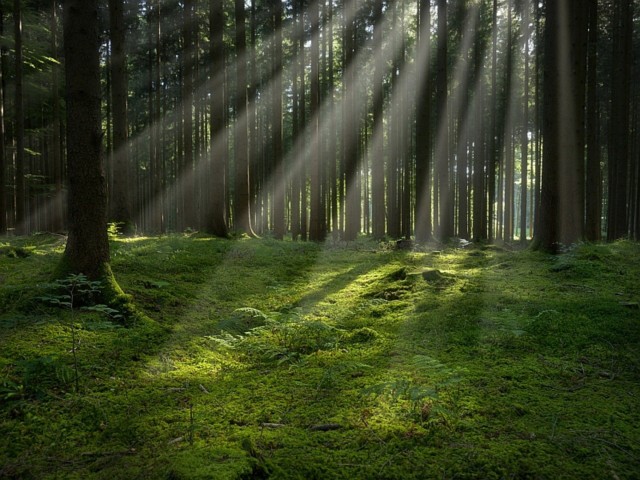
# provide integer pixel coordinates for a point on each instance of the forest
(319, 239)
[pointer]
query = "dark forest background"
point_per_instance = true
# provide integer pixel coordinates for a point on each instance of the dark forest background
(478, 119)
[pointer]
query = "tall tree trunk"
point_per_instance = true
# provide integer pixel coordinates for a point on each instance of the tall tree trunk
(87, 249)
(377, 150)
(524, 134)
(241, 213)
(492, 148)
(21, 221)
(350, 126)
(57, 223)
(296, 122)
(217, 222)
(445, 188)
(423, 219)
(3, 153)
(317, 230)
(593, 186)
(187, 177)
(120, 198)
(617, 225)
(278, 177)
(508, 200)
(563, 154)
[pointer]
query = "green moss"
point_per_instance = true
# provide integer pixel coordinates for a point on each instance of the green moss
(523, 365)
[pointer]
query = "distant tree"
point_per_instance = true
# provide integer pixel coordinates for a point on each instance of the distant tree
(317, 227)
(593, 185)
(278, 179)
(21, 221)
(3, 155)
(618, 147)
(241, 203)
(442, 166)
(216, 219)
(423, 218)
(57, 222)
(377, 150)
(350, 122)
(524, 131)
(187, 181)
(120, 194)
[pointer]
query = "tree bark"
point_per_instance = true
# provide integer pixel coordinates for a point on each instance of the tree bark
(120, 195)
(593, 186)
(617, 226)
(317, 230)
(377, 150)
(3, 155)
(563, 153)
(217, 222)
(278, 177)
(242, 213)
(21, 221)
(422, 213)
(87, 249)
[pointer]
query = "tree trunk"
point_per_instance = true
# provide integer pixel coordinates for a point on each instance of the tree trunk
(242, 213)
(423, 219)
(186, 179)
(120, 195)
(377, 150)
(350, 125)
(57, 221)
(21, 221)
(3, 153)
(524, 134)
(445, 188)
(617, 226)
(278, 177)
(317, 230)
(593, 186)
(563, 153)
(217, 222)
(87, 249)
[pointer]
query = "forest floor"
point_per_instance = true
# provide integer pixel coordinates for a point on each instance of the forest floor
(278, 360)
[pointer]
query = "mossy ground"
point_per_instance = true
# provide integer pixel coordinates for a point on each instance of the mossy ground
(510, 364)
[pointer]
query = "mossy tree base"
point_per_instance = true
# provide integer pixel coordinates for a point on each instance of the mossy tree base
(111, 294)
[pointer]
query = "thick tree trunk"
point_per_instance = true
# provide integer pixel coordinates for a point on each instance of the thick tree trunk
(563, 151)
(87, 249)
